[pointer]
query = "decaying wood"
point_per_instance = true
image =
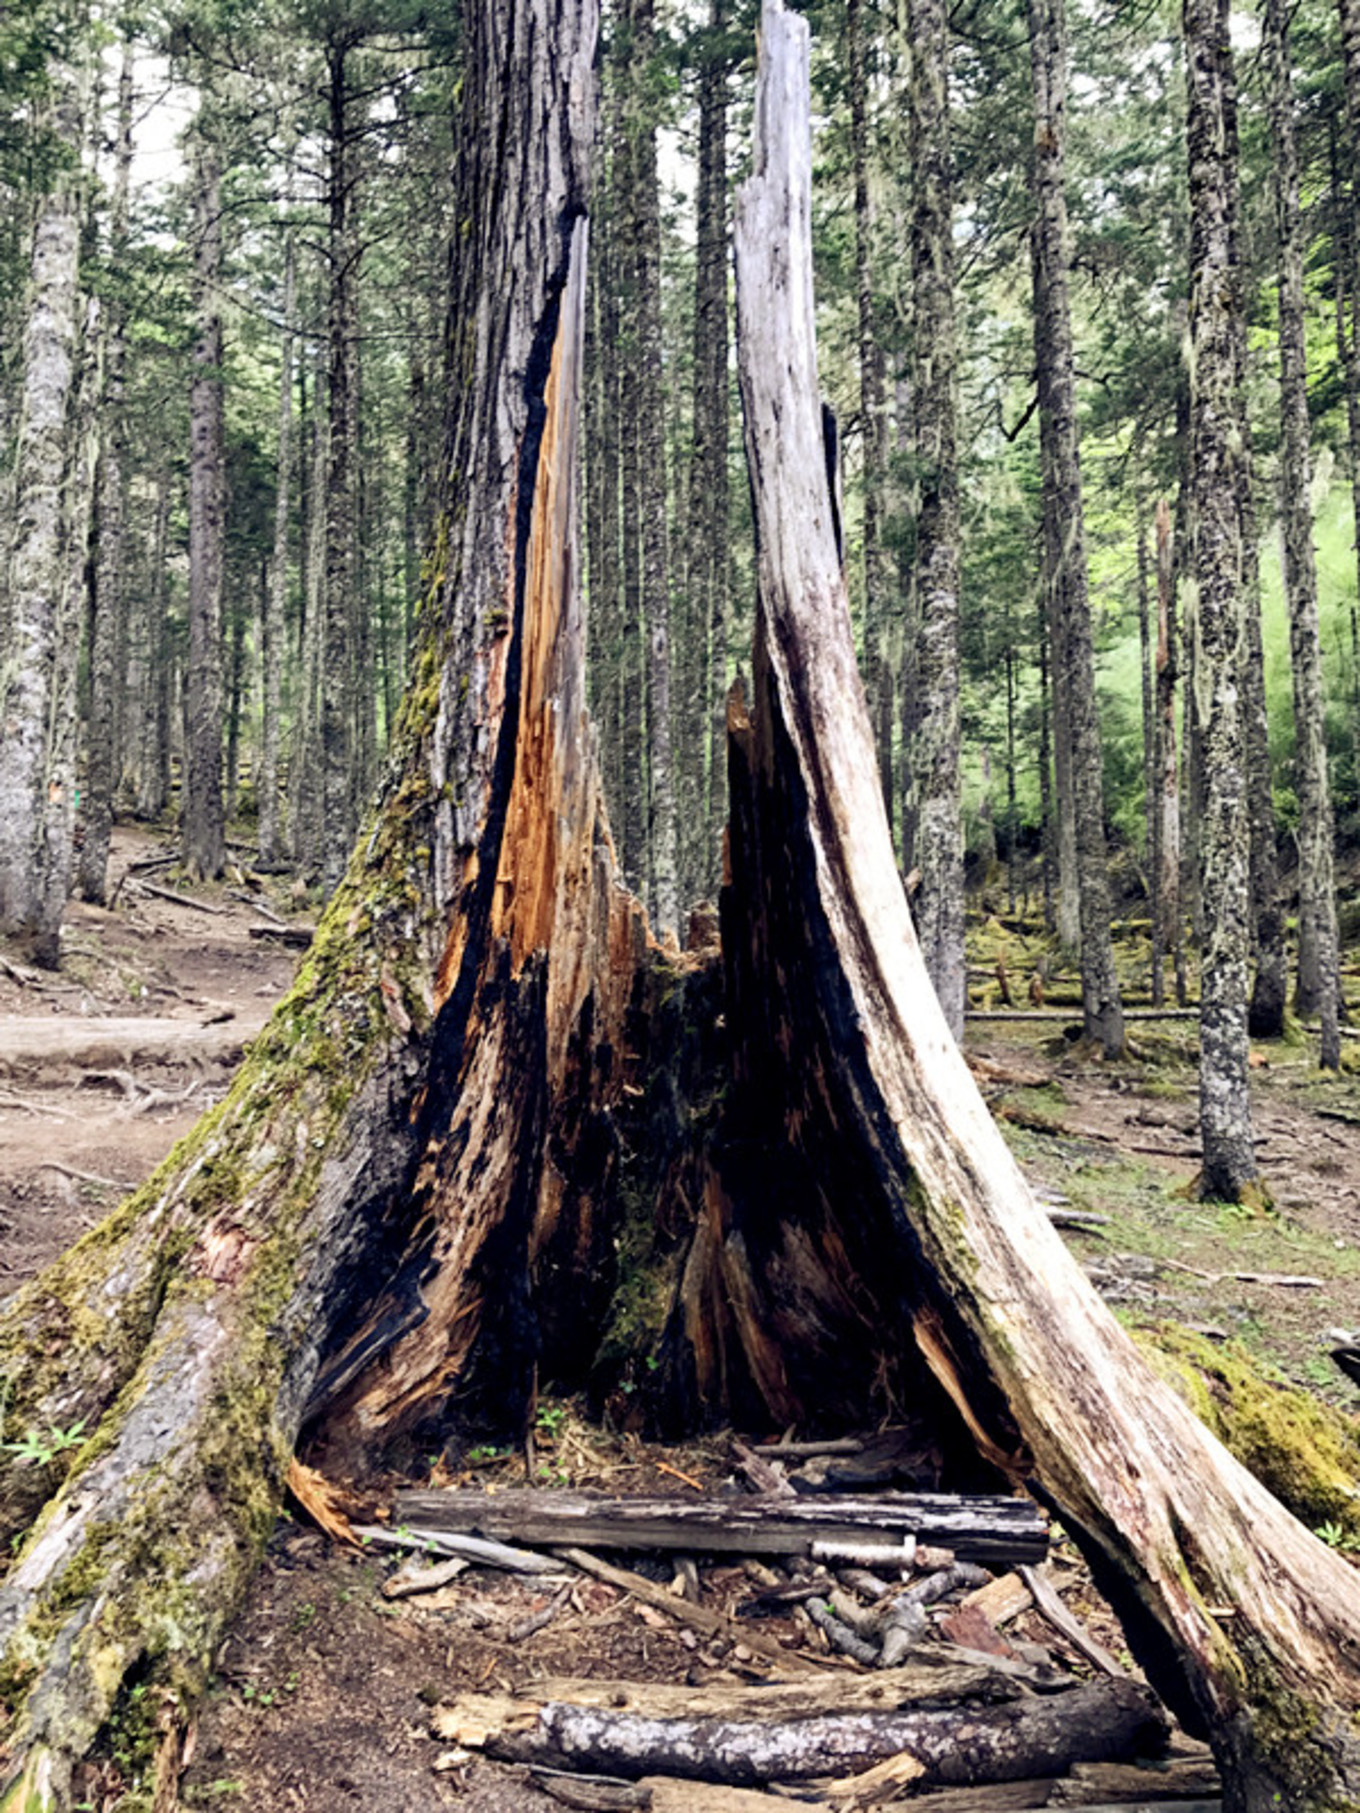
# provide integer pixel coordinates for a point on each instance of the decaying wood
(1018, 1738)
(1002, 1599)
(1112, 1784)
(296, 937)
(181, 900)
(409, 1082)
(989, 1529)
(472, 1549)
(835, 1021)
(775, 1702)
(697, 1617)
(1069, 1625)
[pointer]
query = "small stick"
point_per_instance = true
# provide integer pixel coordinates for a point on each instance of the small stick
(184, 900)
(685, 1479)
(539, 1620)
(475, 1549)
(1069, 1625)
(9, 1099)
(699, 1617)
(90, 1177)
(842, 1637)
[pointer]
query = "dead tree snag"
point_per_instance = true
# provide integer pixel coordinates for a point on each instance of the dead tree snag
(1248, 1624)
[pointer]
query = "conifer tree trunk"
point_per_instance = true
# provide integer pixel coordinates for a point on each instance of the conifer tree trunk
(938, 837)
(108, 637)
(1168, 934)
(339, 679)
(78, 497)
(202, 825)
(633, 739)
(1270, 982)
(709, 482)
(306, 782)
(1064, 534)
(651, 447)
(872, 405)
(274, 628)
(1217, 457)
(251, 1252)
(153, 733)
(1318, 978)
(1346, 285)
(1151, 816)
(35, 801)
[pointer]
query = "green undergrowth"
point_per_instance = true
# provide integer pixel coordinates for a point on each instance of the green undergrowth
(1305, 1451)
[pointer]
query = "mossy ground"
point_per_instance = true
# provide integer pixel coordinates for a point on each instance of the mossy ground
(1121, 1142)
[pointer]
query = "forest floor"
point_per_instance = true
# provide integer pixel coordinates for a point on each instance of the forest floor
(323, 1691)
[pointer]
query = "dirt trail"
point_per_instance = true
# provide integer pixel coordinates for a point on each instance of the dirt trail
(104, 1066)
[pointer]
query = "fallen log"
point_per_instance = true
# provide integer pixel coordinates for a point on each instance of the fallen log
(955, 1746)
(1007, 1531)
(775, 1702)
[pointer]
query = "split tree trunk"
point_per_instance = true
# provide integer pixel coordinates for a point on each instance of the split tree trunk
(187, 1332)
(929, 1204)
(436, 1103)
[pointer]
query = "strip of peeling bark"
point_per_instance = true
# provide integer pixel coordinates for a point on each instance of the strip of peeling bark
(931, 1210)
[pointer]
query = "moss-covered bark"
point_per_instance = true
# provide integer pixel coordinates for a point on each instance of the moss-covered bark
(195, 1332)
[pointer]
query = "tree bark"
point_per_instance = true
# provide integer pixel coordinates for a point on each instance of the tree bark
(108, 639)
(35, 799)
(1167, 780)
(938, 836)
(1229, 1164)
(955, 1747)
(275, 632)
(202, 825)
(1151, 798)
(1318, 978)
(339, 678)
(1064, 534)
(213, 1292)
(709, 480)
(932, 1206)
(664, 895)
(873, 416)
(153, 732)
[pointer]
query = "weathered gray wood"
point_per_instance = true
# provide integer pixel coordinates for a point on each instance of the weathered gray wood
(776, 1702)
(955, 1746)
(1006, 1530)
(937, 1221)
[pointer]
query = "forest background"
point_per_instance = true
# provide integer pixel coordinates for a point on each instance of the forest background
(250, 434)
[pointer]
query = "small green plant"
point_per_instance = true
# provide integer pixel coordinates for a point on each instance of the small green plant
(43, 1446)
(550, 1418)
(303, 1616)
(1336, 1536)
(487, 1451)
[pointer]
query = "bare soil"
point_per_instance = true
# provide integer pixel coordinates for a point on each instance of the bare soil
(322, 1692)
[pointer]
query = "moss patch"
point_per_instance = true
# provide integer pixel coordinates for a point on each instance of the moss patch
(1304, 1451)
